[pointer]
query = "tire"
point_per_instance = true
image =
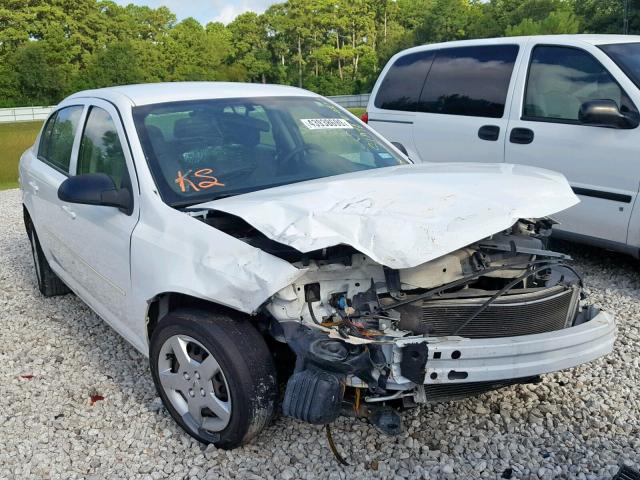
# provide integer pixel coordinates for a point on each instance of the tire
(49, 283)
(235, 404)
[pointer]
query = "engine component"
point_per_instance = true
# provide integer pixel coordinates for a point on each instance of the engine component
(386, 420)
(313, 396)
(314, 350)
(414, 362)
(537, 311)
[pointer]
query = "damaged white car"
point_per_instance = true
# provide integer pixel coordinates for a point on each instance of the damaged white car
(231, 231)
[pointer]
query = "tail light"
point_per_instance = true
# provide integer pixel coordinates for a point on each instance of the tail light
(365, 117)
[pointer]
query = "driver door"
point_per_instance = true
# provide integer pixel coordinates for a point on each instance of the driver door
(99, 236)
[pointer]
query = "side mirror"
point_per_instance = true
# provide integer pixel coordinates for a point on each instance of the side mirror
(605, 113)
(95, 189)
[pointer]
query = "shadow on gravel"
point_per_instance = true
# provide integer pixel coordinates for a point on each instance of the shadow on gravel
(597, 256)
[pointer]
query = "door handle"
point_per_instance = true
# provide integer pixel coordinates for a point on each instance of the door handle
(34, 186)
(489, 133)
(522, 136)
(69, 212)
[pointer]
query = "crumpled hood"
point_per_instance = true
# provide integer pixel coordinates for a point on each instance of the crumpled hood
(402, 216)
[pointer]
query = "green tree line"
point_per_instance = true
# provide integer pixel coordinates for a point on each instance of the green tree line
(50, 48)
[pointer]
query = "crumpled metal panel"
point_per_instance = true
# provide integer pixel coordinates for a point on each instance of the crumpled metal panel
(173, 252)
(402, 216)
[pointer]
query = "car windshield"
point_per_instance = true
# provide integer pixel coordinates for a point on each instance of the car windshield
(627, 57)
(207, 149)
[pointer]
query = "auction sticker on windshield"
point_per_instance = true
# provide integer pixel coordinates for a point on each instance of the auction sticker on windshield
(325, 123)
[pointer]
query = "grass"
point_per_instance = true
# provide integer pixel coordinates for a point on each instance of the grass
(357, 111)
(15, 138)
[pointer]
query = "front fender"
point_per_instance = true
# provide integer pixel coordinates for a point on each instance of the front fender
(174, 252)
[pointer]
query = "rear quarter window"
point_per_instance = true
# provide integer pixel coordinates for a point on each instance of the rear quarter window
(400, 89)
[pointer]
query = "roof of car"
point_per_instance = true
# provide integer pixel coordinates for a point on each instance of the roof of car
(560, 39)
(148, 93)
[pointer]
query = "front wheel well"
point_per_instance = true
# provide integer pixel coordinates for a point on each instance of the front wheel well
(165, 303)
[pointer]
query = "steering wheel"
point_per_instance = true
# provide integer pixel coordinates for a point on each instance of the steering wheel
(286, 160)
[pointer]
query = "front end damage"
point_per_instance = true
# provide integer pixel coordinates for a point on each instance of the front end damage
(405, 293)
(500, 311)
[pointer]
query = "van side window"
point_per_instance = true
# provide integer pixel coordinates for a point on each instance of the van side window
(470, 81)
(400, 89)
(101, 150)
(561, 79)
(56, 141)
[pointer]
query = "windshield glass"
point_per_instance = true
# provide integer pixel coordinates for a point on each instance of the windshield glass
(627, 57)
(207, 149)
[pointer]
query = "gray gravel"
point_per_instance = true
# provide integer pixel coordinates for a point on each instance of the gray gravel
(581, 423)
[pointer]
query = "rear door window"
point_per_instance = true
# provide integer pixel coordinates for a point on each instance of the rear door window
(400, 89)
(56, 141)
(470, 81)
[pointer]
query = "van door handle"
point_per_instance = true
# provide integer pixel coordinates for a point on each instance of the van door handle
(69, 212)
(490, 133)
(522, 136)
(34, 186)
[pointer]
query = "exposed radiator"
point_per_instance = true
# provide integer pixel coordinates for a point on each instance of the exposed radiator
(513, 315)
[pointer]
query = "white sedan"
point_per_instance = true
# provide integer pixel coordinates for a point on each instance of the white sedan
(229, 229)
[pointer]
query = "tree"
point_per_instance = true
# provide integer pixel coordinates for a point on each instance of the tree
(116, 64)
(43, 69)
(606, 16)
(249, 37)
(330, 46)
(557, 22)
(447, 20)
(192, 52)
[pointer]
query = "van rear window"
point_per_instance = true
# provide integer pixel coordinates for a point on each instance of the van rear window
(401, 87)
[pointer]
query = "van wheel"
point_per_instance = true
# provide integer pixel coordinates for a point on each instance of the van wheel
(49, 283)
(214, 374)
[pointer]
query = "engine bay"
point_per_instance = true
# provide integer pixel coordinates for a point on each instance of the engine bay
(364, 335)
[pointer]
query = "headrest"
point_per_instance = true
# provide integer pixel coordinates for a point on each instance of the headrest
(249, 137)
(244, 121)
(193, 127)
(242, 130)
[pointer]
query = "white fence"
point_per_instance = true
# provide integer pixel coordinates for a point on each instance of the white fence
(351, 101)
(23, 114)
(29, 114)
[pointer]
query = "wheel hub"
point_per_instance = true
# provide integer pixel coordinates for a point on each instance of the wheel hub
(194, 384)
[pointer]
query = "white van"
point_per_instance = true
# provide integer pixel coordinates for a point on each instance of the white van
(567, 103)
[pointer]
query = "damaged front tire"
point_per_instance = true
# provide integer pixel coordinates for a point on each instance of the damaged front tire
(215, 376)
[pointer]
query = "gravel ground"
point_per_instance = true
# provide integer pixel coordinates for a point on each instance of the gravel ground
(55, 355)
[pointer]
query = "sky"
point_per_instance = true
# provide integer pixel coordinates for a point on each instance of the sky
(206, 10)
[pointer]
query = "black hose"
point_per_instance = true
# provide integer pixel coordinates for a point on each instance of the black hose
(334, 450)
(313, 315)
